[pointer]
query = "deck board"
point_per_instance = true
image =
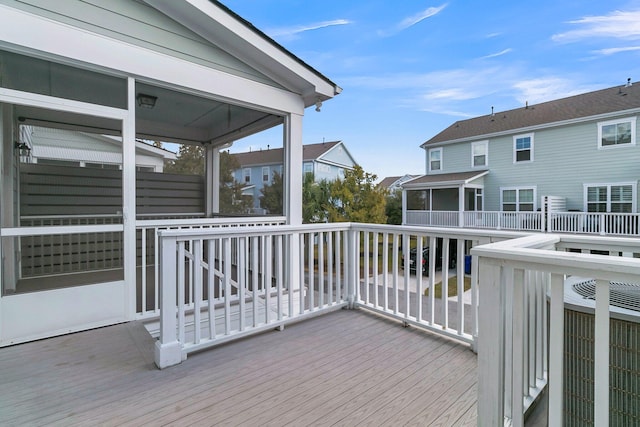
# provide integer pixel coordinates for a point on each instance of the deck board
(348, 367)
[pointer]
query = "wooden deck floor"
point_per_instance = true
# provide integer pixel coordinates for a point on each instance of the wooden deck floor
(344, 368)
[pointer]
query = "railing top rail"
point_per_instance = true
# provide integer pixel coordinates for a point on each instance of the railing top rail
(60, 229)
(209, 221)
(527, 253)
(253, 231)
(466, 233)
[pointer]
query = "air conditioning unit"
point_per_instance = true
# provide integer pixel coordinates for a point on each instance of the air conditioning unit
(579, 351)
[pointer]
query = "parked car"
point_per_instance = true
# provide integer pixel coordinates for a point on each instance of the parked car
(413, 256)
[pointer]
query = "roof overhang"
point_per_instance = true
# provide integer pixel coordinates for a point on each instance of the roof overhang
(221, 26)
(446, 180)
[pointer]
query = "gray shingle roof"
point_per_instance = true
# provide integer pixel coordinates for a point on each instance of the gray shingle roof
(617, 98)
(276, 155)
(444, 178)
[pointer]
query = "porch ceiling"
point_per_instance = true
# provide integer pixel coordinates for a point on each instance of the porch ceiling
(176, 116)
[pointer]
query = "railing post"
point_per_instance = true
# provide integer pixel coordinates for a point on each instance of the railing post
(490, 346)
(351, 267)
(556, 351)
(168, 350)
(601, 359)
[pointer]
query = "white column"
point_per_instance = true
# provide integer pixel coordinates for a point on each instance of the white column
(212, 177)
(129, 200)
(293, 169)
(292, 203)
(461, 206)
(404, 207)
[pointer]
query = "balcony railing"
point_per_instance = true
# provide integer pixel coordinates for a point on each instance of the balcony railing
(522, 331)
(595, 223)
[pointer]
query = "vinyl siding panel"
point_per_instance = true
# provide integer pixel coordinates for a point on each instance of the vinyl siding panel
(564, 159)
(338, 155)
(141, 25)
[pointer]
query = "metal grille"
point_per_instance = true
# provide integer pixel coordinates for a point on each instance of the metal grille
(623, 295)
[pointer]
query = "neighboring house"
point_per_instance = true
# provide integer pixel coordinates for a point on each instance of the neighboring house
(325, 160)
(78, 244)
(394, 183)
(60, 147)
(579, 153)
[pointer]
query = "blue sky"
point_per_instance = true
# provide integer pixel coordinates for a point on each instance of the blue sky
(411, 68)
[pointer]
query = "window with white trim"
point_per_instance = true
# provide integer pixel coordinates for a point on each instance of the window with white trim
(307, 168)
(435, 159)
(265, 174)
(523, 148)
(614, 133)
(618, 198)
(246, 172)
(518, 199)
(479, 154)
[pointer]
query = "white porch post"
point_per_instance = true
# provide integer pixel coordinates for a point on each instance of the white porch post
(461, 206)
(293, 168)
(404, 207)
(292, 203)
(212, 180)
(168, 350)
(129, 199)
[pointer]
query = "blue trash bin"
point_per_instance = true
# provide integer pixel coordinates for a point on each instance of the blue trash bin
(467, 264)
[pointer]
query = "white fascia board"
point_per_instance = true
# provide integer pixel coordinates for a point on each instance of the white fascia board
(26, 33)
(205, 17)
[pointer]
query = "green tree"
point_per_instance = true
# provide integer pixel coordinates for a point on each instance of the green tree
(189, 161)
(231, 199)
(315, 199)
(273, 195)
(356, 198)
(394, 207)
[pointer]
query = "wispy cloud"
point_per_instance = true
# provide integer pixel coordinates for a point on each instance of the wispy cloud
(537, 90)
(287, 32)
(413, 20)
(616, 24)
(495, 55)
(421, 16)
(614, 50)
(472, 91)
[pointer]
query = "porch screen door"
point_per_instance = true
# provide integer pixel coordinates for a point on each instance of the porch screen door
(63, 235)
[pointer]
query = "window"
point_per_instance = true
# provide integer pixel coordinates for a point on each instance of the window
(479, 154)
(620, 132)
(518, 199)
(435, 159)
(523, 148)
(308, 168)
(247, 175)
(265, 174)
(618, 198)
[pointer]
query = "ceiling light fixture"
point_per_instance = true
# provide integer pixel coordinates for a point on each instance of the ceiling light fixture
(146, 101)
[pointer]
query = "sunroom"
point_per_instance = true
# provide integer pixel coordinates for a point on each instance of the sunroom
(175, 75)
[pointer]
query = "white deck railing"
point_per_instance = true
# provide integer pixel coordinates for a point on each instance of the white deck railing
(598, 223)
(233, 282)
(230, 283)
(149, 251)
(517, 277)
